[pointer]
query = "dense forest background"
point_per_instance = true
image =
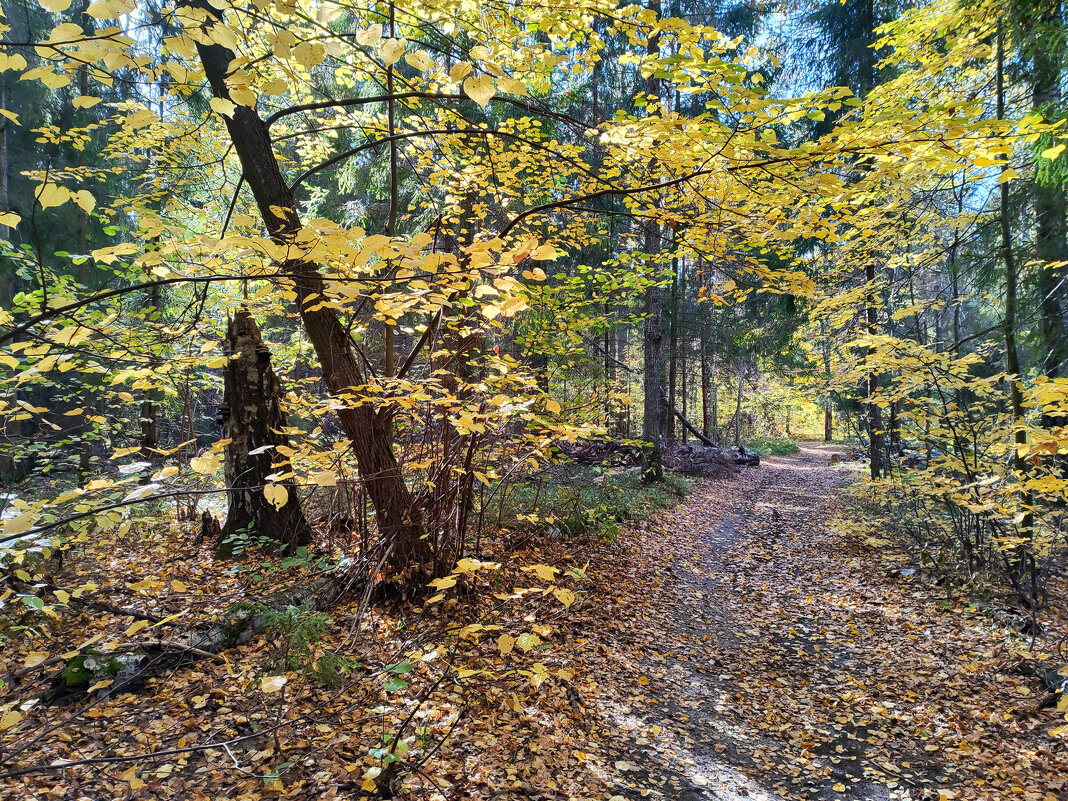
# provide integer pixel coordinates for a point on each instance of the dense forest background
(357, 300)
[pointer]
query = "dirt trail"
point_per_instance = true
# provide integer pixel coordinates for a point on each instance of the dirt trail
(771, 658)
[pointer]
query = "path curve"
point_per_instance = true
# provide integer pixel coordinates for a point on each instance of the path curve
(773, 658)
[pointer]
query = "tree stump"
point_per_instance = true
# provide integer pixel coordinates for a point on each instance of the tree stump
(253, 420)
(210, 530)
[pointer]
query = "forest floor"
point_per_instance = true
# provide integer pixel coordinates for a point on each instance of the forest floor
(742, 645)
(758, 653)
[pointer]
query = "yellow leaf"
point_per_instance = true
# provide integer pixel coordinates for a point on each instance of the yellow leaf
(544, 253)
(136, 626)
(179, 586)
(53, 80)
(9, 719)
(276, 495)
(505, 644)
(49, 195)
(85, 101)
(207, 464)
(272, 684)
(552, 407)
(9, 219)
(480, 89)
(1008, 175)
(54, 5)
(243, 97)
(100, 685)
(84, 199)
(62, 596)
(839, 788)
(35, 658)
(130, 775)
(391, 50)
(370, 37)
(277, 87)
(324, 478)
(420, 59)
(368, 785)
(19, 524)
(544, 572)
(1053, 152)
(12, 62)
(220, 105)
(458, 71)
(309, 54)
(564, 596)
(99, 10)
(512, 86)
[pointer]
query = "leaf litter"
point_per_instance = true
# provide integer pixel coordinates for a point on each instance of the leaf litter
(740, 646)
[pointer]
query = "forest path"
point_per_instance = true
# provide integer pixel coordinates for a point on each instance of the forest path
(767, 656)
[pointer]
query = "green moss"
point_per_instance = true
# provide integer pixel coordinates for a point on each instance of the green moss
(75, 674)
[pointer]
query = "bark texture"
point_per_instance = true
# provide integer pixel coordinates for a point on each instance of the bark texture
(253, 420)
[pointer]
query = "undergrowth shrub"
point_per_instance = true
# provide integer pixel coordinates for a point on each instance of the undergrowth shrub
(295, 634)
(589, 502)
(773, 446)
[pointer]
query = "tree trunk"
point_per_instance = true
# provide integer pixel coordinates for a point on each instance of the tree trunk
(149, 414)
(1026, 580)
(252, 418)
(673, 352)
(828, 409)
(368, 429)
(653, 367)
(866, 82)
(684, 384)
(706, 382)
(653, 422)
(622, 420)
(738, 407)
(875, 415)
(1051, 238)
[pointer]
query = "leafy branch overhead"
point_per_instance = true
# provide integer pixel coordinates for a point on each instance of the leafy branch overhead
(352, 354)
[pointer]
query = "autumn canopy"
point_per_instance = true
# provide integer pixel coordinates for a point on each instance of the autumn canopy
(319, 317)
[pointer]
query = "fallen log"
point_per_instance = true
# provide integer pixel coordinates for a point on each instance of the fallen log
(742, 456)
(106, 673)
(693, 430)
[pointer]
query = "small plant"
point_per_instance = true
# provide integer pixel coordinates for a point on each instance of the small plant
(297, 632)
(330, 669)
